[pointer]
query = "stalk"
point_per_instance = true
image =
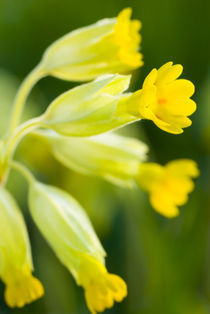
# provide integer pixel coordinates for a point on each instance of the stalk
(22, 95)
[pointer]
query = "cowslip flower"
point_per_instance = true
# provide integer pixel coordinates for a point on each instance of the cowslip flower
(110, 156)
(15, 255)
(108, 46)
(168, 186)
(101, 287)
(72, 125)
(67, 228)
(164, 99)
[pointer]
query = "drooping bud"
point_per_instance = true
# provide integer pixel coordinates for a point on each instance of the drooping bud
(15, 255)
(68, 230)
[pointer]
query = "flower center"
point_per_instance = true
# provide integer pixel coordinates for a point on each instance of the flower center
(162, 101)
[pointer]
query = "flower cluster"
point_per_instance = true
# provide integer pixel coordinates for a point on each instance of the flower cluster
(79, 126)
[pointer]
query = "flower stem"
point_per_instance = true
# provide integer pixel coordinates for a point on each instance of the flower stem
(12, 143)
(22, 94)
(19, 133)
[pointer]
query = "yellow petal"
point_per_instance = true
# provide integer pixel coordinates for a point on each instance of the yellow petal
(182, 167)
(101, 288)
(165, 67)
(168, 186)
(170, 128)
(168, 73)
(145, 101)
(163, 204)
(178, 121)
(149, 175)
(150, 79)
(181, 106)
(180, 88)
(24, 290)
(127, 38)
(117, 286)
(178, 188)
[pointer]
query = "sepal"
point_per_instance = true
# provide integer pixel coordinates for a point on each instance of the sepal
(89, 109)
(113, 157)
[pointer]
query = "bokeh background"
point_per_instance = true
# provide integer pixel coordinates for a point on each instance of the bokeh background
(166, 263)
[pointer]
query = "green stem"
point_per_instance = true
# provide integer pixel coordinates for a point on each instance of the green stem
(18, 134)
(23, 170)
(22, 94)
(12, 143)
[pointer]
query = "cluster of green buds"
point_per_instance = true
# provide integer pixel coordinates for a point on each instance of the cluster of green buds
(79, 127)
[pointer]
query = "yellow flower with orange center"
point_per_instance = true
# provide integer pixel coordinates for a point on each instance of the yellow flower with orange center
(165, 99)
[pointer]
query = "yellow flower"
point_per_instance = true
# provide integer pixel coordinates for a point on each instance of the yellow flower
(68, 230)
(127, 37)
(101, 287)
(108, 46)
(165, 100)
(15, 256)
(22, 288)
(168, 186)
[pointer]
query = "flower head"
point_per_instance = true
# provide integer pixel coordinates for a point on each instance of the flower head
(108, 46)
(69, 231)
(165, 99)
(101, 287)
(127, 37)
(168, 186)
(15, 256)
(22, 288)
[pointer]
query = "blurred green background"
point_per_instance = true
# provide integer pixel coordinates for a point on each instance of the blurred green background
(166, 263)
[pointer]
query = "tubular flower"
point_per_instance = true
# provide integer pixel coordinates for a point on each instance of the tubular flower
(15, 256)
(108, 46)
(165, 100)
(101, 287)
(168, 186)
(67, 228)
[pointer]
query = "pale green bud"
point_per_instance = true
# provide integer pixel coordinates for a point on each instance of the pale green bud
(15, 255)
(89, 109)
(64, 224)
(68, 230)
(108, 46)
(110, 156)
